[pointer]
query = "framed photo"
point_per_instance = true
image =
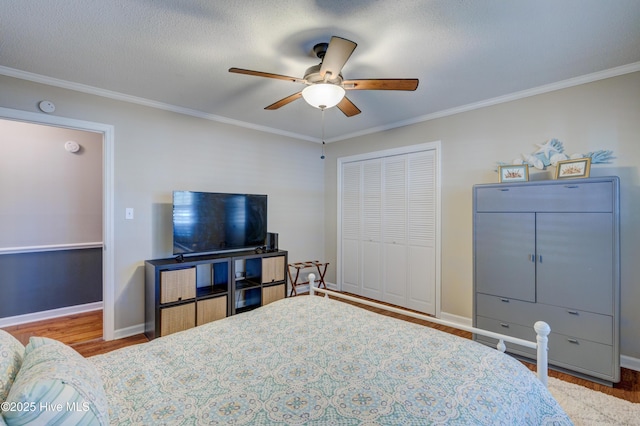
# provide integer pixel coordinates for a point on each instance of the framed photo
(578, 168)
(513, 173)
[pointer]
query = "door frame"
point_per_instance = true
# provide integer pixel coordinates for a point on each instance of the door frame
(427, 146)
(108, 265)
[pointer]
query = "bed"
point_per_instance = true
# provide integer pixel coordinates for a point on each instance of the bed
(300, 360)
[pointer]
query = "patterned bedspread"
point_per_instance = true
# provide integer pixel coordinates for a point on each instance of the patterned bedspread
(311, 360)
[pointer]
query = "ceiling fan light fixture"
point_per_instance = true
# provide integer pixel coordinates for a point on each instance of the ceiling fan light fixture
(323, 95)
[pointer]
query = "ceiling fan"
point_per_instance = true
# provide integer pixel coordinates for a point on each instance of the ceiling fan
(326, 87)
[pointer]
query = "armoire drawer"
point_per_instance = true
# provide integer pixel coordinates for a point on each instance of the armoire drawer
(591, 358)
(570, 196)
(510, 329)
(507, 310)
(583, 325)
(571, 322)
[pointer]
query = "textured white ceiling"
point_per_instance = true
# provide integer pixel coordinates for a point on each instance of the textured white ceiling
(176, 54)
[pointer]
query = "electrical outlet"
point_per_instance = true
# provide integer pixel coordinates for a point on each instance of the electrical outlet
(128, 213)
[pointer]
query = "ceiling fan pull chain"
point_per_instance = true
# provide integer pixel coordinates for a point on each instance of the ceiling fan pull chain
(322, 156)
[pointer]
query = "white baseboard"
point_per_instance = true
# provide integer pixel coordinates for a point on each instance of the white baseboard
(121, 333)
(630, 362)
(50, 314)
(457, 319)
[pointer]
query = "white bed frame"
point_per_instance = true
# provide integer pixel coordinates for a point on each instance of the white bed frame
(542, 328)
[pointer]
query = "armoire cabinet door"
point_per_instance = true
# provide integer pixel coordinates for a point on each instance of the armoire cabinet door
(505, 247)
(575, 261)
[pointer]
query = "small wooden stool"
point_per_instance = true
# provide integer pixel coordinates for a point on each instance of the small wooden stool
(320, 266)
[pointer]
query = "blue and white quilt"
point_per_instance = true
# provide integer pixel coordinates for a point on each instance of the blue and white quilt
(315, 361)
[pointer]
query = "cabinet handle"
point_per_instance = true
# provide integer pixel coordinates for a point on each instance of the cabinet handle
(504, 325)
(573, 312)
(540, 258)
(571, 186)
(532, 257)
(574, 341)
(504, 300)
(503, 189)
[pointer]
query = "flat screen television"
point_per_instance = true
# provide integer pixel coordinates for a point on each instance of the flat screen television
(209, 222)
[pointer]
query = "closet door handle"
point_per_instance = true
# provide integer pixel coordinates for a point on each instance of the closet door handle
(574, 341)
(572, 312)
(504, 300)
(504, 325)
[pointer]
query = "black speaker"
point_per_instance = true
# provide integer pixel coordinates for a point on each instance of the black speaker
(272, 241)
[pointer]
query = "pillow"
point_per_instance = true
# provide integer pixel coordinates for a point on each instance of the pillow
(11, 354)
(56, 385)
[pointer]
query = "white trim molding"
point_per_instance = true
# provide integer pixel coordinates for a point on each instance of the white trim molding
(122, 333)
(83, 88)
(52, 247)
(456, 319)
(50, 314)
(630, 362)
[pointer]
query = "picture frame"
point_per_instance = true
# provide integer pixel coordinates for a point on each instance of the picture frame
(574, 168)
(513, 173)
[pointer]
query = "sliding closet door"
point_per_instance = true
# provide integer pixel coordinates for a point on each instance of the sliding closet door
(389, 229)
(361, 228)
(351, 220)
(371, 229)
(421, 231)
(394, 233)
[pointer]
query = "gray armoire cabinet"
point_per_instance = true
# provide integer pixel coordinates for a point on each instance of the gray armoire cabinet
(549, 250)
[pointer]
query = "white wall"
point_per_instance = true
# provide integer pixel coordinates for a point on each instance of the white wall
(599, 115)
(158, 151)
(51, 196)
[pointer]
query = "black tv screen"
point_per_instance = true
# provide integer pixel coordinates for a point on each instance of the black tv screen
(207, 222)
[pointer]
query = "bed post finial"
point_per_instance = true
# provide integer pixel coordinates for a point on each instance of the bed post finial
(542, 331)
(312, 282)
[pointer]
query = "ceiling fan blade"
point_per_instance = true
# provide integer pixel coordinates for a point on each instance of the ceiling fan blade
(265, 74)
(337, 54)
(284, 101)
(382, 84)
(348, 108)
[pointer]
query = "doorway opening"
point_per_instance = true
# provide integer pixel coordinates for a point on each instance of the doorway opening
(107, 132)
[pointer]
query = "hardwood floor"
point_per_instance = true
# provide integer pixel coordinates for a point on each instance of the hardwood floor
(83, 332)
(70, 330)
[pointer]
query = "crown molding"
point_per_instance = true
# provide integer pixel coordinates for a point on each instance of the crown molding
(564, 84)
(576, 81)
(83, 88)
